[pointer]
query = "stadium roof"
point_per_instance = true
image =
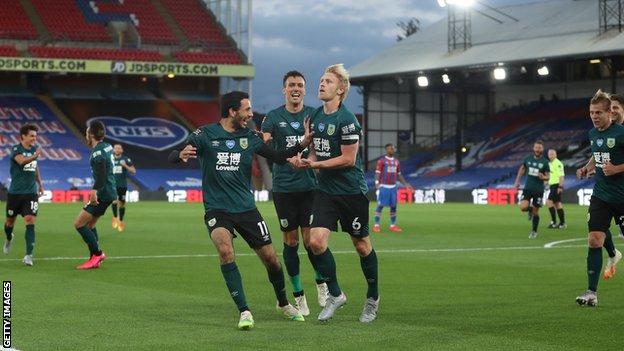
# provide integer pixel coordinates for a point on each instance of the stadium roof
(545, 30)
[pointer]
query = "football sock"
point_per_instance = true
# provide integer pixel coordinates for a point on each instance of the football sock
(234, 284)
(291, 260)
(97, 237)
(114, 207)
(122, 213)
(594, 265)
(561, 216)
(535, 222)
(90, 239)
(369, 268)
(378, 211)
(30, 238)
(317, 275)
(608, 243)
(393, 215)
(8, 231)
(553, 214)
(327, 267)
(279, 285)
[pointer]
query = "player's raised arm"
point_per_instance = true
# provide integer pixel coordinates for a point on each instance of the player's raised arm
(23, 160)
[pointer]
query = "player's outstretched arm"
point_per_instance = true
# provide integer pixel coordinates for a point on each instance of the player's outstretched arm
(280, 157)
(346, 160)
(187, 153)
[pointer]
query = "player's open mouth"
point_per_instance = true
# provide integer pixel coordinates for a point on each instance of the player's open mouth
(295, 95)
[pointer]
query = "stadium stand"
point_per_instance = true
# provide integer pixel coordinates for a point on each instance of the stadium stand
(16, 25)
(95, 53)
(198, 112)
(196, 23)
(223, 56)
(65, 21)
(64, 160)
(8, 51)
(498, 145)
(150, 24)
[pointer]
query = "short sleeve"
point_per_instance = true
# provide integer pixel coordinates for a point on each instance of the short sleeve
(267, 123)
(97, 157)
(255, 142)
(14, 152)
(547, 167)
(349, 130)
(129, 162)
(380, 166)
(195, 139)
(398, 167)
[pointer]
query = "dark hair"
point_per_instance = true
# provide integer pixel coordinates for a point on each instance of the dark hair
(388, 144)
(97, 129)
(232, 100)
(26, 128)
(539, 142)
(292, 74)
(618, 98)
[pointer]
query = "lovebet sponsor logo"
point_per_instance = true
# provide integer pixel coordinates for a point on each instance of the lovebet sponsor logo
(6, 314)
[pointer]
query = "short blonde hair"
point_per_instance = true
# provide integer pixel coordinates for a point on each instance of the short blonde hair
(601, 98)
(343, 77)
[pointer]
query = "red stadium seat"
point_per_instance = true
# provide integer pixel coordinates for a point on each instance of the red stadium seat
(198, 112)
(65, 21)
(8, 51)
(101, 54)
(151, 26)
(227, 57)
(194, 20)
(14, 23)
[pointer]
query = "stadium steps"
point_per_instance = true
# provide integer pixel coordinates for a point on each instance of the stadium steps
(61, 116)
(36, 20)
(179, 115)
(170, 22)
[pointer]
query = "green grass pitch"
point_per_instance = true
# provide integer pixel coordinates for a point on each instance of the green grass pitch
(460, 277)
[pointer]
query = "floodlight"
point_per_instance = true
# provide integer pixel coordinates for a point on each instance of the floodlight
(423, 81)
(543, 71)
(500, 73)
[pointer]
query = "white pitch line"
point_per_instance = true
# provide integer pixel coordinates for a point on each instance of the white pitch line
(339, 252)
(552, 244)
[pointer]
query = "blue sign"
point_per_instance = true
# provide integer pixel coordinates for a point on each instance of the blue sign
(147, 132)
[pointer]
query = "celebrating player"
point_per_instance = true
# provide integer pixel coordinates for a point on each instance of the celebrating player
(225, 151)
(23, 196)
(607, 146)
(537, 170)
(590, 169)
(555, 182)
(122, 164)
(386, 174)
(341, 194)
(293, 192)
(102, 194)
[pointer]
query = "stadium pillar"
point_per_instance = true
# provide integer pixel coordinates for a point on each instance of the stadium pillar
(459, 128)
(365, 120)
(441, 116)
